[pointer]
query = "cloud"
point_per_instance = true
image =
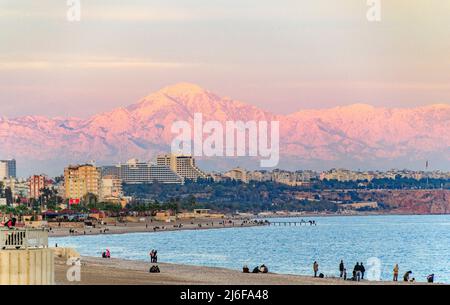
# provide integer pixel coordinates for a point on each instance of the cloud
(90, 63)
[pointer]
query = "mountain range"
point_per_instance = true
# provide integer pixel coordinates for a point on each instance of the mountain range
(354, 136)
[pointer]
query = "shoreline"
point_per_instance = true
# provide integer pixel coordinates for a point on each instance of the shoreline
(114, 271)
(205, 224)
(130, 228)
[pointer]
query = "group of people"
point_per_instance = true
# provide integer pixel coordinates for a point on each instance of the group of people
(358, 271)
(154, 256)
(106, 254)
(154, 260)
(407, 276)
(261, 269)
(11, 223)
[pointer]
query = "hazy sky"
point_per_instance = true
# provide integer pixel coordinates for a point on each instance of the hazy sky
(281, 55)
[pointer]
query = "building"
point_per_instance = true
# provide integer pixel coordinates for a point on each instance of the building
(136, 172)
(111, 188)
(8, 169)
(200, 213)
(237, 174)
(183, 165)
(80, 180)
(19, 187)
(111, 170)
(344, 175)
(260, 176)
(37, 183)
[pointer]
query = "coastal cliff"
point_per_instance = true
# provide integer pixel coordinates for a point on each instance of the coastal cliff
(412, 201)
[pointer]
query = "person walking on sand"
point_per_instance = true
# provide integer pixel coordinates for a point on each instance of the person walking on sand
(396, 269)
(341, 269)
(315, 268)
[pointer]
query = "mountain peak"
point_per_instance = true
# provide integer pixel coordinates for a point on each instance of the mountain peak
(183, 88)
(359, 106)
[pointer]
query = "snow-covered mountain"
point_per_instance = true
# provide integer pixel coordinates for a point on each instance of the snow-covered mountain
(356, 136)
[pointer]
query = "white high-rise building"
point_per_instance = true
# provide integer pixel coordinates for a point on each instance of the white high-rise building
(136, 172)
(184, 166)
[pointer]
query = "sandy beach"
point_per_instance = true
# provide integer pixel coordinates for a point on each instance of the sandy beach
(99, 271)
(154, 226)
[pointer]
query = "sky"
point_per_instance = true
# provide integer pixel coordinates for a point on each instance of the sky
(282, 55)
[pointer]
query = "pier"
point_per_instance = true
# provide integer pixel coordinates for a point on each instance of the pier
(292, 223)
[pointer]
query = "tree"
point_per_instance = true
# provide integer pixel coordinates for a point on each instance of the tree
(8, 196)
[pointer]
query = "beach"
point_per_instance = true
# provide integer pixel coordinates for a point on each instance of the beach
(153, 226)
(287, 250)
(99, 271)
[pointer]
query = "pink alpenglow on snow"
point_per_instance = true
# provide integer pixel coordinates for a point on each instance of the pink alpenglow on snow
(359, 134)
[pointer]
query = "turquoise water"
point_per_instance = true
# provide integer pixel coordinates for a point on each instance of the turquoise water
(417, 243)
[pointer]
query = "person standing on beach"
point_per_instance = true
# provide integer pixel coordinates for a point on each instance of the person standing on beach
(362, 269)
(315, 268)
(396, 269)
(341, 268)
(357, 272)
(152, 254)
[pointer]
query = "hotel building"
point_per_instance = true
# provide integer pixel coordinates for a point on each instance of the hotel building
(80, 180)
(184, 166)
(136, 172)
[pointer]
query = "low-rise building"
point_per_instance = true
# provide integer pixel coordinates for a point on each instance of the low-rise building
(237, 174)
(111, 188)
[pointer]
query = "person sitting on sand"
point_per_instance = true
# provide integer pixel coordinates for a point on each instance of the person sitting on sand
(108, 253)
(406, 276)
(255, 270)
(245, 269)
(430, 278)
(263, 269)
(154, 269)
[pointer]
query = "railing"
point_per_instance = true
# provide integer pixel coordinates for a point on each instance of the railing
(22, 239)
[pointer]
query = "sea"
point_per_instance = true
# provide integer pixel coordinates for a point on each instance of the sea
(420, 244)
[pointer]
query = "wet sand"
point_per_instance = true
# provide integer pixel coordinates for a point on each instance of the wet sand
(99, 271)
